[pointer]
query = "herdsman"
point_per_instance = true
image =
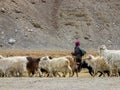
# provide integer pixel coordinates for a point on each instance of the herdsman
(78, 52)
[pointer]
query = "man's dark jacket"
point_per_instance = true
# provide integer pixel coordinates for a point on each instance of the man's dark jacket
(78, 52)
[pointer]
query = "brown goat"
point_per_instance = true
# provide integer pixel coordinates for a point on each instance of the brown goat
(73, 65)
(32, 65)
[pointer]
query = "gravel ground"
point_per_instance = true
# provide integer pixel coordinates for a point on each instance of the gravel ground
(73, 83)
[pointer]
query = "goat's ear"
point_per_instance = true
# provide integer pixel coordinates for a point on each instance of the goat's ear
(50, 57)
(38, 59)
(90, 57)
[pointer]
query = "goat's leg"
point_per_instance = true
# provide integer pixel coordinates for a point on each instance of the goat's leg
(100, 74)
(76, 72)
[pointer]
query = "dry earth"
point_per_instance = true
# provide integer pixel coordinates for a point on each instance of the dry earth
(74, 83)
(53, 53)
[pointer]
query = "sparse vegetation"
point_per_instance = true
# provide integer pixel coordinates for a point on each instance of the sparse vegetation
(33, 53)
(70, 24)
(88, 23)
(36, 25)
(101, 16)
(18, 11)
(80, 15)
(53, 53)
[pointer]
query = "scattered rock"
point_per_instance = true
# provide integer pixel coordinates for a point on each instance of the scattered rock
(76, 33)
(2, 37)
(16, 30)
(26, 35)
(80, 15)
(14, 1)
(32, 2)
(26, 27)
(69, 24)
(11, 41)
(2, 32)
(30, 30)
(2, 10)
(44, 1)
(76, 37)
(71, 19)
(17, 11)
(16, 18)
(109, 41)
(88, 23)
(107, 25)
(36, 25)
(87, 37)
(1, 45)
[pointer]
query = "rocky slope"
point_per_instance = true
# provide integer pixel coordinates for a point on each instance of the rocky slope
(57, 24)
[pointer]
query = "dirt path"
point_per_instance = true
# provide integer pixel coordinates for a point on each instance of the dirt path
(74, 83)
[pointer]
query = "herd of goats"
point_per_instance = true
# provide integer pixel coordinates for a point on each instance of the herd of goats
(108, 62)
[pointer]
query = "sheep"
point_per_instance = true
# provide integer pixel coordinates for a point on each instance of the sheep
(73, 64)
(11, 71)
(112, 57)
(55, 65)
(98, 64)
(84, 65)
(43, 69)
(1, 57)
(17, 62)
(32, 65)
(103, 51)
(19, 65)
(43, 65)
(1, 73)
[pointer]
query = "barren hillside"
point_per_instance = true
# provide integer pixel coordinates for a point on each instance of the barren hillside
(57, 24)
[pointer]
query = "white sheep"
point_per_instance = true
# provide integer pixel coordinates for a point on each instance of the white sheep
(112, 57)
(98, 64)
(17, 62)
(55, 65)
(1, 57)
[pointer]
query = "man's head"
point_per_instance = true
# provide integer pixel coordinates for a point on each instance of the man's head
(77, 43)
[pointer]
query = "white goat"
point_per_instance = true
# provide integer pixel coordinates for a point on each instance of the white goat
(112, 57)
(55, 65)
(98, 64)
(16, 62)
